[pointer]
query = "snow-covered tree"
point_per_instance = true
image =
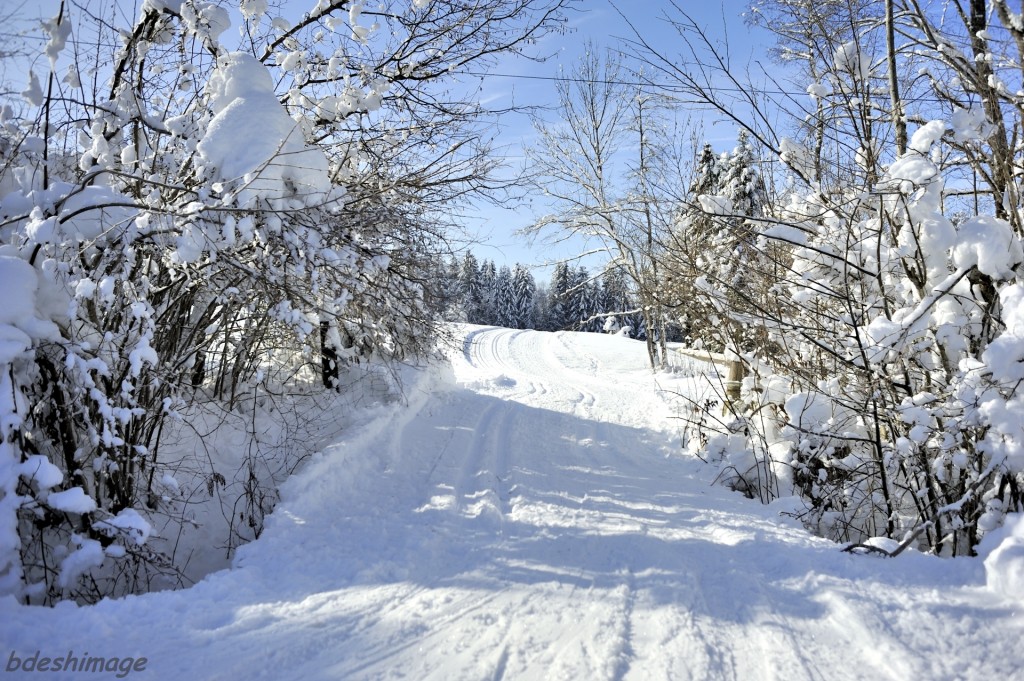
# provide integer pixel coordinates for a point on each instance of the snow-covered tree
(601, 165)
(504, 311)
(182, 216)
(542, 309)
(522, 298)
(715, 240)
(882, 388)
(619, 301)
(470, 289)
(560, 312)
(488, 313)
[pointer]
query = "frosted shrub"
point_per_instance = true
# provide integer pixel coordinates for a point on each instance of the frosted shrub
(176, 239)
(875, 303)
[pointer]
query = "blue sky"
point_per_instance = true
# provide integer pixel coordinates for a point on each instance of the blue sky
(493, 232)
(525, 83)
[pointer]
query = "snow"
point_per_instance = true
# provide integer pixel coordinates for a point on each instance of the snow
(18, 282)
(19, 323)
(927, 135)
(527, 513)
(128, 523)
(59, 30)
(1004, 354)
(252, 140)
(73, 500)
(970, 124)
(33, 94)
(819, 90)
(205, 19)
(715, 205)
(143, 353)
(39, 470)
(1004, 566)
(88, 554)
(90, 214)
(988, 243)
(851, 60)
(252, 9)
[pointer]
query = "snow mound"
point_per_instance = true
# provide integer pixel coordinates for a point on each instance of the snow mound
(1004, 566)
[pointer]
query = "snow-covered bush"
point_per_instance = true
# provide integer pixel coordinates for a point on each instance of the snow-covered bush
(183, 231)
(880, 333)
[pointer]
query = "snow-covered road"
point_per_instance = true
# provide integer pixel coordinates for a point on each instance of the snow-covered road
(531, 517)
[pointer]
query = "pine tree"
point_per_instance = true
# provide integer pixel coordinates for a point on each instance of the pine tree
(560, 305)
(542, 309)
(488, 279)
(451, 292)
(707, 176)
(618, 299)
(523, 291)
(502, 295)
(742, 184)
(471, 289)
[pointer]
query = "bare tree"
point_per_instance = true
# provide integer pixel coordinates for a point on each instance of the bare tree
(598, 164)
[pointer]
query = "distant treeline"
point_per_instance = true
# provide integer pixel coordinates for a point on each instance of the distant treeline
(479, 292)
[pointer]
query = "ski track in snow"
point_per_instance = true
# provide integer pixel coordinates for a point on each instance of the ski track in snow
(536, 521)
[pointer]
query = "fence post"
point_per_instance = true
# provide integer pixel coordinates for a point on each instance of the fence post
(733, 384)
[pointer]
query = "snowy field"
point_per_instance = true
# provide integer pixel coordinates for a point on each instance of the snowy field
(527, 515)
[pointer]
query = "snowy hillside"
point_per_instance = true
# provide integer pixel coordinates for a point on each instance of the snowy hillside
(528, 515)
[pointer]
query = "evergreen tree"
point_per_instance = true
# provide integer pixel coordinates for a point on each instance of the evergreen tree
(451, 292)
(502, 295)
(542, 309)
(708, 173)
(617, 298)
(523, 292)
(471, 289)
(583, 301)
(488, 279)
(741, 181)
(560, 305)
(574, 303)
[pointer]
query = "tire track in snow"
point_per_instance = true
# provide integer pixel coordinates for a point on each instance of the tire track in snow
(538, 357)
(729, 649)
(587, 554)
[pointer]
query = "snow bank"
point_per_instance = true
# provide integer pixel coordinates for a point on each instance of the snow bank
(1004, 566)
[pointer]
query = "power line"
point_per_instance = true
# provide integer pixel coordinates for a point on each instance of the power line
(601, 81)
(664, 87)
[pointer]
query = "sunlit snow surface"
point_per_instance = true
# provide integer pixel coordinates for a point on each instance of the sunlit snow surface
(530, 517)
